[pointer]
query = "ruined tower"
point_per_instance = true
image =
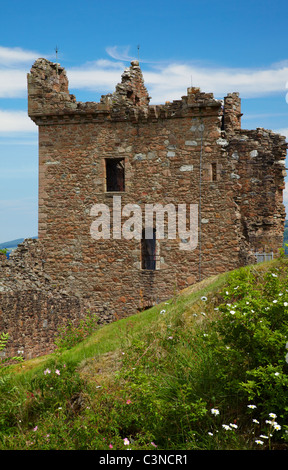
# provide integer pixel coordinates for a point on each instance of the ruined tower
(126, 156)
(190, 151)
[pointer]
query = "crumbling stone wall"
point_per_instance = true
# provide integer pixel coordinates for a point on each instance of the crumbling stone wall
(32, 307)
(189, 151)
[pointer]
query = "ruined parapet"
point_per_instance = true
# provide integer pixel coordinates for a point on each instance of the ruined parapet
(196, 97)
(131, 91)
(48, 94)
(48, 89)
(49, 99)
(231, 120)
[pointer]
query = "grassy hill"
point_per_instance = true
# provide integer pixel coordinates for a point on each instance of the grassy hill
(205, 370)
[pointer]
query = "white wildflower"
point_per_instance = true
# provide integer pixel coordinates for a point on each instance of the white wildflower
(226, 427)
(259, 442)
(276, 426)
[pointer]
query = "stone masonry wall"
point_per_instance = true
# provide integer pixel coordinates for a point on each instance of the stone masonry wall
(32, 308)
(182, 152)
(169, 147)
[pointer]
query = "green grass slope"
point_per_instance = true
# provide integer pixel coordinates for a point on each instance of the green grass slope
(206, 370)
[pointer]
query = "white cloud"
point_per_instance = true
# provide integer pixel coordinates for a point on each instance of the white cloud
(249, 83)
(100, 76)
(15, 62)
(15, 55)
(13, 83)
(119, 53)
(16, 121)
(170, 81)
(282, 132)
(164, 80)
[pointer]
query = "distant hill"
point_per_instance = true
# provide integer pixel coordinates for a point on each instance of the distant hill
(12, 244)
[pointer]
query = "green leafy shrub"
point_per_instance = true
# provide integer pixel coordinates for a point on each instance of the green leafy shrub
(69, 335)
(252, 334)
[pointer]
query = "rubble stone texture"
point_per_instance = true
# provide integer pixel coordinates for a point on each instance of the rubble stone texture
(189, 151)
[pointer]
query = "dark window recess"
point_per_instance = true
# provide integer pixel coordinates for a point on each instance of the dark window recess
(115, 174)
(214, 172)
(148, 251)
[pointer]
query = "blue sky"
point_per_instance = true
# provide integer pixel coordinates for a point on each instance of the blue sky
(219, 46)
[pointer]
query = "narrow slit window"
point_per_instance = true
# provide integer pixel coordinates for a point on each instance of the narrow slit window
(214, 171)
(115, 174)
(148, 251)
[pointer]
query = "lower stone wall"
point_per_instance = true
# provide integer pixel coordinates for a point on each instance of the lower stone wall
(32, 307)
(32, 318)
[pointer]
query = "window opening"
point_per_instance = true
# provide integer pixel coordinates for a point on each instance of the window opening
(214, 172)
(148, 251)
(115, 174)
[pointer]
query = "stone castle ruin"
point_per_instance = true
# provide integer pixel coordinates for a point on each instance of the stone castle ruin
(123, 150)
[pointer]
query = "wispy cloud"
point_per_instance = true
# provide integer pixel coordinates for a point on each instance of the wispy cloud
(16, 55)
(14, 62)
(100, 76)
(120, 53)
(16, 121)
(164, 80)
(282, 132)
(13, 83)
(168, 81)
